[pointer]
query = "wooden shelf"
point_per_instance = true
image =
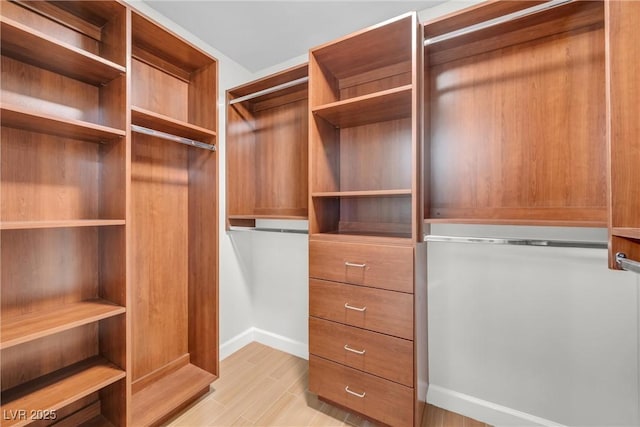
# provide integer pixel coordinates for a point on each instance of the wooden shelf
(154, 403)
(631, 233)
(364, 237)
(99, 421)
(33, 47)
(36, 325)
(59, 388)
(162, 123)
(275, 216)
(367, 193)
(30, 225)
(531, 222)
(376, 107)
(22, 118)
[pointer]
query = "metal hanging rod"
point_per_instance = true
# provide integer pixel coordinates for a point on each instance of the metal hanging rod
(497, 21)
(174, 138)
(516, 242)
(627, 264)
(269, 230)
(270, 90)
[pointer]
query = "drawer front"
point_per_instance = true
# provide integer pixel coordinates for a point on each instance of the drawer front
(374, 397)
(378, 266)
(382, 355)
(378, 310)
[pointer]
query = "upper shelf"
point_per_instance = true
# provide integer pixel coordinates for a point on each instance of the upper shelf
(22, 118)
(162, 123)
(376, 107)
(36, 48)
(364, 193)
(71, 223)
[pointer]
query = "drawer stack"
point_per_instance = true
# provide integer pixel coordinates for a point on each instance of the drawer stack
(361, 328)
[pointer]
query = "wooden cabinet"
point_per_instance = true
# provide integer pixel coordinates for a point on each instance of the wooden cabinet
(516, 116)
(266, 145)
(367, 285)
(173, 251)
(109, 237)
(623, 94)
(63, 216)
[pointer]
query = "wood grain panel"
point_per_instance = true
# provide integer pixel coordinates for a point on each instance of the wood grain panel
(281, 155)
(160, 253)
(376, 215)
(386, 312)
(48, 178)
(384, 147)
(544, 157)
(44, 269)
(385, 267)
(623, 93)
(40, 90)
(171, 101)
(34, 359)
(202, 94)
(241, 161)
(384, 401)
(203, 260)
(384, 356)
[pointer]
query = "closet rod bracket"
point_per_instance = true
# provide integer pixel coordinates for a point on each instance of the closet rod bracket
(627, 264)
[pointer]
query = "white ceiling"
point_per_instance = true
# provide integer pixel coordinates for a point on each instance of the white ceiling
(260, 34)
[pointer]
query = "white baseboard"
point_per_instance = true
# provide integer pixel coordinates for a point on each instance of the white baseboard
(276, 341)
(282, 343)
(236, 343)
(482, 410)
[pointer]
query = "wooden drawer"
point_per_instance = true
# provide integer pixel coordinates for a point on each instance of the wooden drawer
(380, 399)
(378, 310)
(382, 355)
(378, 266)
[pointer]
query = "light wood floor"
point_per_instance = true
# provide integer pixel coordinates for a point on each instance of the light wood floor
(261, 386)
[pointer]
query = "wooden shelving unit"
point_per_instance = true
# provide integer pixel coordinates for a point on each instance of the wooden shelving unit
(365, 220)
(174, 314)
(267, 149)
(63, 217)
(60, 388)
(516, 124)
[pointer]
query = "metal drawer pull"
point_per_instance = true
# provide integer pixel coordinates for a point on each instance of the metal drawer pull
(351, 264)
(354, 393)
(350, 307)
(346, 347)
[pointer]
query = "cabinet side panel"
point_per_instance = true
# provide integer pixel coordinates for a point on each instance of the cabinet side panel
(203, 259)
(241, 160)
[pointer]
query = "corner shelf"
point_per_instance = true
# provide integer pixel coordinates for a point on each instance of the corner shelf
(380, 106)
(60, 388)
(23, 118)
(162, 123)
(30, 225)
(33, 47)
(155, 402)
(28, 327)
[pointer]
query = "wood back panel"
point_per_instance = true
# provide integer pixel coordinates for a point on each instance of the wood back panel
(171, 101)
(48, 178)
(519, 133)
(45, 268)
(34, 359)
(281, 159)
(160, 253)
(241, 160)
(47, 92)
